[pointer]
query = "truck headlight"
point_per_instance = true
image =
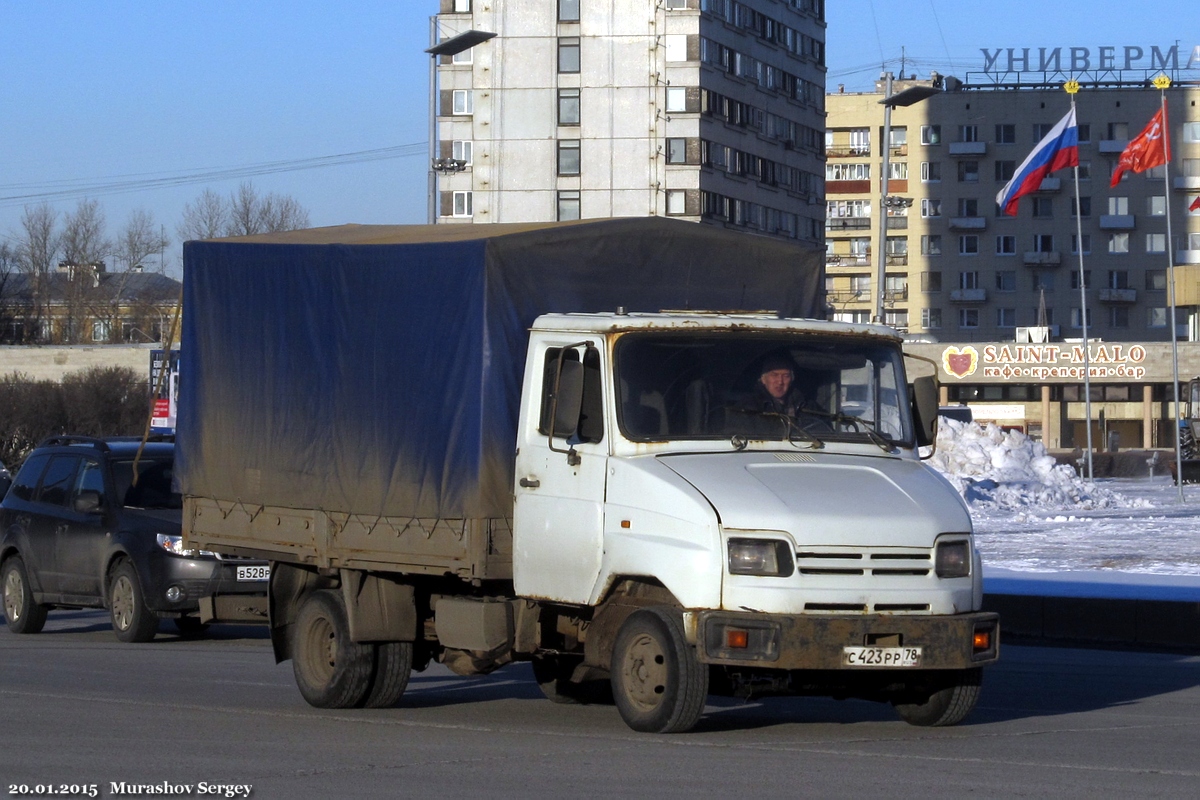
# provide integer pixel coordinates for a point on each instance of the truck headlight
(760, 557)
(953, 559)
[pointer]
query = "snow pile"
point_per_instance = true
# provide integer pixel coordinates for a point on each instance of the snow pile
(997, 469)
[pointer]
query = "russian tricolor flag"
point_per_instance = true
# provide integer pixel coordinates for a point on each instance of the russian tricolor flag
(1058, 149)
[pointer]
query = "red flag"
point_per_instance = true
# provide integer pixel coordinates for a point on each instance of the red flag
(1151, 148)
(1195, 206)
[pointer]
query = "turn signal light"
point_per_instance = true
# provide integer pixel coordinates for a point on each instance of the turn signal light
(737, 639)
(983, 640)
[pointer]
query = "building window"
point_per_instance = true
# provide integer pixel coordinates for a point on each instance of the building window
(676, 202)
(462, 6)
(1006, 134)
(676, 5)
(676, 46)
(462, 150)
(1087, 244)
(676, 98)
(568, 107)
(968, 133)
(1156, 205)
(568, 54)
(568, 10)
(931, 207)
(463, 205)
(101, 331)
(1083, 202)
(1085, 133)
(464, 101)
(1006, 317)
(568, 156)
(1043, 280)
(860, 141)
(1043, 243)
(861, 285)
(1191, 132)
(968, 245)
(1040, 129)
(1043, 207)
(1118, 131)
(968, 318)
(568, 206)
(1118, 317)
(1076, 316)
(897, 318)
(1049, 313)
(931, 319)
(968, 171)
(1006, 245)
(1118, 279)
(897, 170)
(931, 244)
(968, 207)
(968, 279)
(1118, 206)
(931, 171)
(1156, 280)
(1006, 280)
(677, 150)
(1156, 243)
(1118, 243)
(1005, 170)
(1085, 170)
(1191, 168)
(931, 282)
(1087, 279)
(463, 56)
(1156, 318)
(931, 134)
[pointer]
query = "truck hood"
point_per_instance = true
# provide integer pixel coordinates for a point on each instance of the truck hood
(827, 498)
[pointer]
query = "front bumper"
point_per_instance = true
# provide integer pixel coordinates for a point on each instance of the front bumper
(195, 579)
(818, 642)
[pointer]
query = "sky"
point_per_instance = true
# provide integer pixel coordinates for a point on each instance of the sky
(143, 105)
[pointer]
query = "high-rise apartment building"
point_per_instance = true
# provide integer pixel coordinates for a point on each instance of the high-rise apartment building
(957, 270)
(705, 110)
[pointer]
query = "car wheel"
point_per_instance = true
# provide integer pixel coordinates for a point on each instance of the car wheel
(190, 626)
(331, 671)
(393, 666)
(132, 621)
(21, 613)
(658, 683)
(948, 705)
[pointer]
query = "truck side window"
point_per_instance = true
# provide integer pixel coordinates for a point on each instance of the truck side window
(591, 417)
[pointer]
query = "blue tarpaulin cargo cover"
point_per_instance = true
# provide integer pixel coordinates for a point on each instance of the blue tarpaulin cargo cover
(377, 370)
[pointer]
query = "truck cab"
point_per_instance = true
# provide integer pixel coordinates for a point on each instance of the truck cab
(788, 541)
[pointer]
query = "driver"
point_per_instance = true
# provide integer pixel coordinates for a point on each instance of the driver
(775, 392)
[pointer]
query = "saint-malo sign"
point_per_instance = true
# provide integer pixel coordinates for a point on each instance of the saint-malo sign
(1041, 362)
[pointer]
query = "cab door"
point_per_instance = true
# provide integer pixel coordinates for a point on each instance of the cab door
(561, 466)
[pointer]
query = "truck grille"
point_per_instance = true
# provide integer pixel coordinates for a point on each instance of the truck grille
(845, 561)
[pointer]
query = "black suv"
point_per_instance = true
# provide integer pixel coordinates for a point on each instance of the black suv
(79, 530)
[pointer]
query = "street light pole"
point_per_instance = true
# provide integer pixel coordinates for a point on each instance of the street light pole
(881, 256)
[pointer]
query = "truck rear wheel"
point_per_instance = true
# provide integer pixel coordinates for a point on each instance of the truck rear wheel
(948, 705)
(658, 683)
(331, 671)
(393, 666)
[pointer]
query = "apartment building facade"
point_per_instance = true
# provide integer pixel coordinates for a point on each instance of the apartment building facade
(706, 110)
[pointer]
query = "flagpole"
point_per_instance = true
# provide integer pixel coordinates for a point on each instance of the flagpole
(1162, 82)
(1072, 88)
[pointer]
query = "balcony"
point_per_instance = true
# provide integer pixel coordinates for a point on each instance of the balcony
(1117, 295)
(968, 223)
(1117, 222)
(968, 148)
(1050, 185)
(1186, 182)
(897, 223)
(896, 259)
(1036, 258)
(844, 296)
(848, 224)
(847, 151)
(847, 260)
(893, 296)
(1113, 146)
(968, 296)
(1187, 256)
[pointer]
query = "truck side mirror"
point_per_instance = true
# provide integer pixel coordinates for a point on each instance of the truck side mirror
(925, 409)
(568, 398)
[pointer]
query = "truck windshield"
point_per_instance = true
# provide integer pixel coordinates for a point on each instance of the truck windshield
(802, 388)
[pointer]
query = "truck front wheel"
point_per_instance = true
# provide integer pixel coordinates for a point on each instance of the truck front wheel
(331, 671)
(658, 683)
(949, 704)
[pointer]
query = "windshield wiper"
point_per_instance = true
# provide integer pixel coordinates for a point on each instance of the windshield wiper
(791, 424)
(859, 425)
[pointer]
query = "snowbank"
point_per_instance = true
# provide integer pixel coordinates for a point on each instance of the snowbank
(997, 469)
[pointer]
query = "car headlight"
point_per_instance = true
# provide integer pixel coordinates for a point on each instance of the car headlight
(174, 546)
(761, 557)
(953, 559)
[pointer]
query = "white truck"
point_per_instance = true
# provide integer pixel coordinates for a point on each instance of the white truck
(666, 529)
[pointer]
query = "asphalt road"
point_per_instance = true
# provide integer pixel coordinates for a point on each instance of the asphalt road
(80, 708)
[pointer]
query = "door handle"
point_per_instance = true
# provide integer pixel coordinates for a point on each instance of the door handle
(530, 483)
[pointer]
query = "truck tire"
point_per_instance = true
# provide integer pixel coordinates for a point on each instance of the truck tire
(331, 671)
(132, 621)
(948, 705)
(553, 676)
(21, 613)
(658, 683)
(393, 666)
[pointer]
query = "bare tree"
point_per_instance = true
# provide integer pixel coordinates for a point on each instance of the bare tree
(205, 218)
(39, 242)
(140, 238)
(83, 239)
(244, 211)
(282, 213)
